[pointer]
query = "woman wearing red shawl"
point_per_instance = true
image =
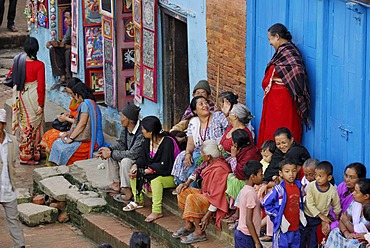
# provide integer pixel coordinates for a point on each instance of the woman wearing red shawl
(286, 101)
(199, 205)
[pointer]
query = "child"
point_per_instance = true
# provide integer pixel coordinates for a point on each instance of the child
(267, 149)
(309, 167)
(284, 206)
(321, 194)
(249, 225)
(139, 240)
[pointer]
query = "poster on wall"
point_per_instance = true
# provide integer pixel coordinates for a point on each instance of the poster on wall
(93, 47)
(74, 37)
(62, 27)
(91, 12)
(106, 8)
(129, 29)
(127, 6)
(96, 78)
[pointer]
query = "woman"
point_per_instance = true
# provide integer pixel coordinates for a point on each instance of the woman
(238, 118)
(204, 126)
(352, 174)
(352, 225)
(86, 134)
(286, 101)
(286, 148)
(242, 151)
(53, 134)
(154, 165)
(199, 205)
(28, 102)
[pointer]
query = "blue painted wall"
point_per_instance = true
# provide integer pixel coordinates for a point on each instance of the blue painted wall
(333, 36)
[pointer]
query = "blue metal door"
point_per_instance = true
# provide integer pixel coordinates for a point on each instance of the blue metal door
(346, 63)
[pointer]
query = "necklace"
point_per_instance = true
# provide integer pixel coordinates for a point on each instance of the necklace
(205, 131)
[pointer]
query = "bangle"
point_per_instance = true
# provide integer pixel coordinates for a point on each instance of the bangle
(71, 138)
(344, 231)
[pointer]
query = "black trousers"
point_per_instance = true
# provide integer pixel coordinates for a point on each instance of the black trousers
(11, 12)
(60, 60)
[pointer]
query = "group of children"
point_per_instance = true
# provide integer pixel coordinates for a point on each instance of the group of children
(299, 210)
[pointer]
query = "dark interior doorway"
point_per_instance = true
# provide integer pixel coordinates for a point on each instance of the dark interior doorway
(175, 67)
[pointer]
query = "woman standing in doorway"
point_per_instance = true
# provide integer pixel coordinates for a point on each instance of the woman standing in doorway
(286, 101)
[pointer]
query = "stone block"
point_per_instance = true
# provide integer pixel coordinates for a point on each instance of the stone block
(33, 215)
(56, 187)
(45, 172)
(89, 205)
(92, 176)
(23, 195)
(74, 195)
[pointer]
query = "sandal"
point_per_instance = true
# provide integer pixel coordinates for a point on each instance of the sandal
(120, 198)
(191, 238)
(181, 233)
(108, 189)
(132, 206)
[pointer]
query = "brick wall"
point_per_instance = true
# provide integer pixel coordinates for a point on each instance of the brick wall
(226, 34)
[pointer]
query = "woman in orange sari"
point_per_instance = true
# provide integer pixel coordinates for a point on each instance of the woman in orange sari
(53, 134)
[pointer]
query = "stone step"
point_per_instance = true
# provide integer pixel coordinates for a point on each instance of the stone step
(51, 112)
(12, 39)
(105, 228)
(33, 215)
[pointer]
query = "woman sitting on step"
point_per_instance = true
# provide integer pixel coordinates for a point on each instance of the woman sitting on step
(53, 134)
(153, 166)
(86, 134)
(200, 205)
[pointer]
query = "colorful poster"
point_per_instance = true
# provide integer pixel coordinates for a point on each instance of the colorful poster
(91, 12)
(74, 37)
(93, 47)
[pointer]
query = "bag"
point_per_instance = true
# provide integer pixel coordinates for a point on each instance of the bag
(8, 81)
(61, 126)
(85, 135)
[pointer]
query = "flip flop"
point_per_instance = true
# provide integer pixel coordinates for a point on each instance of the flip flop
(107, 189)
(131, 207)
(181, 233)
(118, 198)
(190, 239)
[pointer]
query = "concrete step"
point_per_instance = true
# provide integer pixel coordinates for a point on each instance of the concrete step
(33, 215)
(105, 228)
(12, 39)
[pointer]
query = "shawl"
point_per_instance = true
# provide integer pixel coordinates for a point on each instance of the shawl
(291, 69)
(246, 154)
(214, 187)
(19, 71)
(73, 107)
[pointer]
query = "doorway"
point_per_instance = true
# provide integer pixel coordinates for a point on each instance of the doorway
(175, 67)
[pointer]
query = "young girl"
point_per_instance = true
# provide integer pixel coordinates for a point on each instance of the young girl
(267, 150)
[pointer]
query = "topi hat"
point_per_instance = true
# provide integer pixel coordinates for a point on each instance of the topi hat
(203, 84)
(2, 115)
(131, 111)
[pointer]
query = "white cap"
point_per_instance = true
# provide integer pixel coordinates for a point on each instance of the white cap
(2, 115)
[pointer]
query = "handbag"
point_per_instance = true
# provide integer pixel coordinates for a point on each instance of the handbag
(85, 135)
(61, 125)
(8, 81)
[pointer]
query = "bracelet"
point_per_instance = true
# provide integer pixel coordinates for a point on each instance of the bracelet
(344, 231)
(71, 138)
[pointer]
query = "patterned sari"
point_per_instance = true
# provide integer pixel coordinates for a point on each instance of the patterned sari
(24, 117)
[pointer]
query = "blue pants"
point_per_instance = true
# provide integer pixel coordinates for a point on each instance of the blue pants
(308, 233)
(288, 240)
(243, 241)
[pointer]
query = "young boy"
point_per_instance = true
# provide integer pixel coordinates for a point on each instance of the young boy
(309, 167)
(267, 149)
(321, 194)
(284, 206)
(249, 225)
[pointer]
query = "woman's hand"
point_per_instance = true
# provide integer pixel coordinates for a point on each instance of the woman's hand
(63, 117)
(67, 140)
(39, 110)
(133, 171)
(226, 107)
(205, 221)
(188, 159)
(360, 236)
(345, 218)
(181, 188)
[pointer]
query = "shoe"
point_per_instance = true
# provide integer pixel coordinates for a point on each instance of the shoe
(13, 28)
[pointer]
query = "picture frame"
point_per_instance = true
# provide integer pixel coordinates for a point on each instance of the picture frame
(62, 27)
(96, 79)
(127, 6)
(129, 26)
(91, 12)
(107, 28)
(136, 13)
(128, 58)
(129, 85)
(106, 7)
(93, 47)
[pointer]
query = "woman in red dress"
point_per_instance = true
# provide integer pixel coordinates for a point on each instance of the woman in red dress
(286, 101)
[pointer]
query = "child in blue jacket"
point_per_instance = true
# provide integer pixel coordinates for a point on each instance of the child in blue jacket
(284, 205)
